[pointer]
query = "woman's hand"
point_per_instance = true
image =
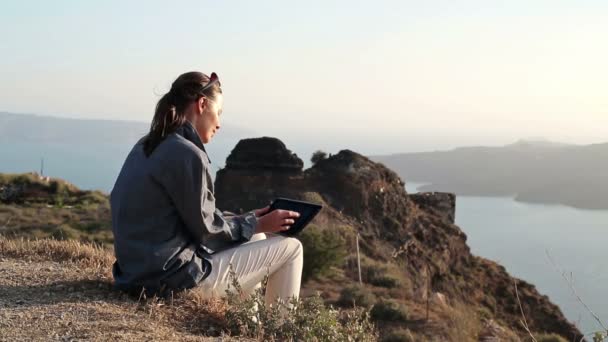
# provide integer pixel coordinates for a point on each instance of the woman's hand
(261, 212)
(278, 220)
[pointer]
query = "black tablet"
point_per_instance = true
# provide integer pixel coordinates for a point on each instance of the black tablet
(307, 212)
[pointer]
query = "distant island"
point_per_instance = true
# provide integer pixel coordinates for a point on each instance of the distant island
(534, 171)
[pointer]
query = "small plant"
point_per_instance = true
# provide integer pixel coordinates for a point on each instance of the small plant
(390, 311)
(380, 275)
(356, 295)
(383, 274)
(58, 200)
(318, 156)
(599, 336)
(65, 232)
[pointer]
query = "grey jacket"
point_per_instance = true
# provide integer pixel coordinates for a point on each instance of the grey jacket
(164, 220)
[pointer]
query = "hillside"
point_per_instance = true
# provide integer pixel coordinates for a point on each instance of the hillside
(532, 171)
(420, 280)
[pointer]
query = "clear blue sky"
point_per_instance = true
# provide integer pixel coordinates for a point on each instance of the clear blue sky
(405, 75)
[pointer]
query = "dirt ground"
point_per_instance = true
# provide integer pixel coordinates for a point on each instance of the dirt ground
(63, 293)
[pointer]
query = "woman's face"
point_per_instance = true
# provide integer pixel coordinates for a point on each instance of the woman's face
(209, 122)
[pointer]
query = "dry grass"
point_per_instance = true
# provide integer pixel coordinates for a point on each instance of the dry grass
(61, 290)
(85, 255)
(91, 222)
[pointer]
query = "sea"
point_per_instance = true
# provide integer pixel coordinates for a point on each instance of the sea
(563, 251)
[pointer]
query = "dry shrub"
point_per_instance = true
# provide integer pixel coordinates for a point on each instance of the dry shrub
(304, 319)
(464, 323)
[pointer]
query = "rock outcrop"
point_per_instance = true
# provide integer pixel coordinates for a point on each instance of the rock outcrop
(257, 171)
(440, 203)
(263, 154)
(416, 231)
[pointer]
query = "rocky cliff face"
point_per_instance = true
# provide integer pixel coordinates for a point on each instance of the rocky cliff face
(440, 203)
(257, 171)
(416, 232)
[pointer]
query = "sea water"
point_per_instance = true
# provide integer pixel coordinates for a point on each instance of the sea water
(555, 247)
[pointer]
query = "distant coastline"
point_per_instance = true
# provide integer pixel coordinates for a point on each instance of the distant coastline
(528, 198)
(528, 171)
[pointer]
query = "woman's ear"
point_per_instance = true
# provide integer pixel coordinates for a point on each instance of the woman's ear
(202, 103)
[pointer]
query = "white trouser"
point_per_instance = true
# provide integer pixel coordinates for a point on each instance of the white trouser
(277, 256)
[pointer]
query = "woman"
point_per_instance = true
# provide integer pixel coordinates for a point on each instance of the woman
(168, 235)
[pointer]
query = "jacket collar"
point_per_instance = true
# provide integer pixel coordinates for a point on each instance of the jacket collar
(188, 132)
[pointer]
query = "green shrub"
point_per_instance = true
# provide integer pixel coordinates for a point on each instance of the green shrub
(379, 276)
(550, 338)
(356, 295)
(388, 310)
(377, 273)
(386, 281)
(323, 249)
(59, 200)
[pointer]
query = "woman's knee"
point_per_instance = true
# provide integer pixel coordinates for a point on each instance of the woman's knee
(258, 237)
(290, 247)
(296, 246)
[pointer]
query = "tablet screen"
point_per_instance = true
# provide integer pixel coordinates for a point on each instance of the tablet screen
(307, 212)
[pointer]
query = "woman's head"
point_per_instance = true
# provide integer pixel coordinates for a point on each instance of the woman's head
(193, 97)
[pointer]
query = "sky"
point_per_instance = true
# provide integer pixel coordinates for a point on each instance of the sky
(375, 76)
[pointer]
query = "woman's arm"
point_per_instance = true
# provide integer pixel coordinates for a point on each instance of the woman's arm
(186, 179)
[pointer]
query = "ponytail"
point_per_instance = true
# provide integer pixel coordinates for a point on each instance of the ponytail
(170, 109)
(166, 120)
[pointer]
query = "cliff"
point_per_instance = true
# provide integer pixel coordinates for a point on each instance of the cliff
(414, 233)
